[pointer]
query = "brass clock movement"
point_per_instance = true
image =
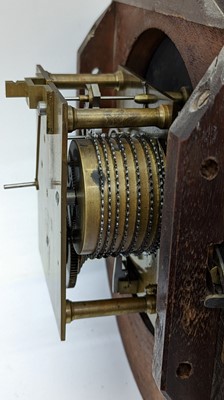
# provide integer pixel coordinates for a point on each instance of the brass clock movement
(129, 168)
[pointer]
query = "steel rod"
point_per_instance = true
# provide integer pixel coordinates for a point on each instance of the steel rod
(139, 98)
(20, 185)
(86, 98)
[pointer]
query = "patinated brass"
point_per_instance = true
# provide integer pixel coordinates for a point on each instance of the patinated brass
(119, 118)
(102, 308)
(114, 201)
(34, 88)
(142, 98)
(118, 80)
(139, 98)
(88, 188)
(41, 89)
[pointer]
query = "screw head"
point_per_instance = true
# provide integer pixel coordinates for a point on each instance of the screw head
(42, 108)
(57, 198)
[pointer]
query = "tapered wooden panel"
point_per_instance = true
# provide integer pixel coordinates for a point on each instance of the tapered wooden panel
(129, 35)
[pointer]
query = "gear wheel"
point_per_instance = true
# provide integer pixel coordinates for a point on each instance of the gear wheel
(74, 261)
(74, 264)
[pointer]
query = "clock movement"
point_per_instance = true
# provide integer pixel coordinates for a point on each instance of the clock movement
(130, 168)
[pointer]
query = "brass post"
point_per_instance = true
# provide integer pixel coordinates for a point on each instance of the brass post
(101, 308)
(119, 118)
(116, 80)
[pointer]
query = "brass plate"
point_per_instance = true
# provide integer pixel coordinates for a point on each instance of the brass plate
(52, 177)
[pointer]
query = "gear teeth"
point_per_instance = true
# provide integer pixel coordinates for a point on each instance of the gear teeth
(117, 216)
(96, 253)
(127, 188)
(76, 262)
(161, 177)
(110, 240)
(132, 245)
(105, 247)
(74, 267)
(146, 243)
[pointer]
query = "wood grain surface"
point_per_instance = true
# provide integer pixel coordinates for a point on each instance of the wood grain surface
(193, 222)
(128, 35)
